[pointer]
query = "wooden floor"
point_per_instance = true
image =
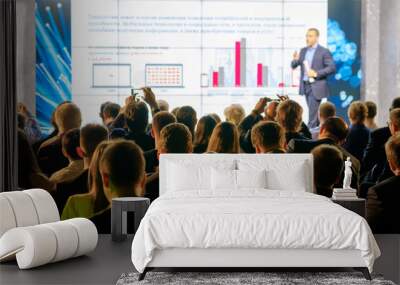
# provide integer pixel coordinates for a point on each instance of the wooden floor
(106, 264)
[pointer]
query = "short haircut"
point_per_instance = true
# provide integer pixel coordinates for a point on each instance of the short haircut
(327, 110)
(371, 109)
(328, 165)
(161, 119)
(395, 103)
(314, 30)
(234, 113)
(70, 142)
(268, 134)
(394, 117)
(91, 136)
(68, 116)
(289, 115)
(123, 176)
(111, 110)
(204, 129)
(163, 105)
(102, 107)
(392, 148)
(137, 116)
(358, 112)
(224, 139)
(175, 138)
(336, 127)
(187, 116)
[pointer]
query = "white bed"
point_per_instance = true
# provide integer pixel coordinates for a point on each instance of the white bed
(266, 218)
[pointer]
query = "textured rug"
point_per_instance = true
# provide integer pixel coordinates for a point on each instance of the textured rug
(229, 278)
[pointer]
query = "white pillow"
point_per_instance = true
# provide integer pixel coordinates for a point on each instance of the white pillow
(223, 179)
(293, 180)
(251, 179)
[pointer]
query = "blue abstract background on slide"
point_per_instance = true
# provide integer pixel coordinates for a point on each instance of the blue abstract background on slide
(53, 57)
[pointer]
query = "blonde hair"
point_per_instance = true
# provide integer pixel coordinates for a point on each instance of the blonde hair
(224, 139)
(68, 116)
(234, 113)
(358, 112)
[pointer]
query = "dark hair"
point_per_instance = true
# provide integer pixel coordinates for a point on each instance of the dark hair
(187, 116)
(371, 107)
(328, 166)
(111, 110)
(70, 142)
(137, 116)
(336, 128)
(123, 176)
(395, 103)
(204, 129)
(102, 107)
(314, 30)
(91, 136)
(175, 138)
(27, 162)
(268, 134)
(162, 119)
(21, 121)
(224, 139)
(327, 110)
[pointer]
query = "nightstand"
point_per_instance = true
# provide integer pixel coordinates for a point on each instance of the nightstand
(357, 205)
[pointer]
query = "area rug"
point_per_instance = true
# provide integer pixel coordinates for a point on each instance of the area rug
(229, 278)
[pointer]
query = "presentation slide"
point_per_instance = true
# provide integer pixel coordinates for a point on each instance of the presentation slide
(206, 54)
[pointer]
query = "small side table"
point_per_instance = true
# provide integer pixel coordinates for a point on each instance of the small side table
(119, 209)
(357, 205)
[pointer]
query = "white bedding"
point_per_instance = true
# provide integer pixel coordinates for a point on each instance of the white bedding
(252, 218)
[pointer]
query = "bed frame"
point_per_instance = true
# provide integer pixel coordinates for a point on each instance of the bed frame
(246, 259)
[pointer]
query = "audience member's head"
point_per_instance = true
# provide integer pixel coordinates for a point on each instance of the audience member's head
(67, 117)
(234, 113)
(160, 120)
(328, 166)
(395, 103)
(289, 115)
(224, 139)
(392, 148)
(334, 128)
(371, 114)
(91, 136)
(163, 105)
(125, 179)
(325, 111)
(187, 116)
(110, 112)
(270, 111)
(394, 121)
(216, 117)
(70, 144)
(53, 116)
(102, 106)
(175, 111)
(357, 113)
(137, 116)
(175, 138)
(204, 129)
(268, 136)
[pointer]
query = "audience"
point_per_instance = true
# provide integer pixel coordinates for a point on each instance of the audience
(325, 111)
(119, 179)
(224, 139)
(187, 116)
(108, 112)
(137, 119)
(160, 120)
(268, 137)
(204, 129)
(270, 110)
(328, 166)
(50, 155)
(371, 114)
(289, 116)
(382, 202)
(358, 136)
(70, 144)
(86, 205)
(91, 136)
(31, 126)
(234, 113)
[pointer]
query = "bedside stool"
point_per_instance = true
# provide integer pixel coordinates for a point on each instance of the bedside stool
(357, 205)
(119, 209)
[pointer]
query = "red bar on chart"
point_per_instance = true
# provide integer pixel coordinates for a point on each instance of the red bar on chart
(259, 75)
(237, 64)
(215, 79)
